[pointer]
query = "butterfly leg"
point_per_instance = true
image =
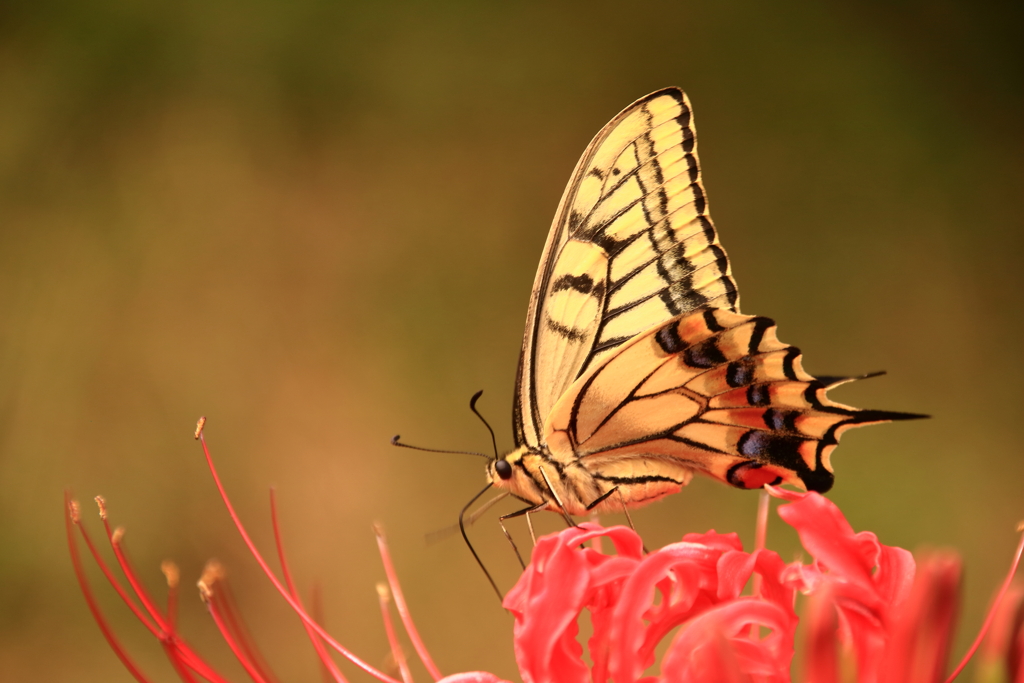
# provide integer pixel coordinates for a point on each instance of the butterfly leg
(518, 513)
(602, 498)
(625, 510)
(568, 520)
(529, 525)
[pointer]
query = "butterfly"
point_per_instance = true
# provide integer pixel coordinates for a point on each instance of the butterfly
(637, 368)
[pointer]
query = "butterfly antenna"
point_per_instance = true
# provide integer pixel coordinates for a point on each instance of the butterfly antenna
(472, 406)
(465, 537)
(395, 442)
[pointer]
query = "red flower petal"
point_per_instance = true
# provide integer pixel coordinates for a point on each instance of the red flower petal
(696, 655)
(560, 582)
(919, 645)
(635, 601)
(826, 534)
(821, 629)
(472, 677)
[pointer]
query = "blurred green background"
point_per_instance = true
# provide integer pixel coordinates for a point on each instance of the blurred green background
(318, 223)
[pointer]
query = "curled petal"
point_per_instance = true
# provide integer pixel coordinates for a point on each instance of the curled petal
(686, 574)
(713, 539)
(895, 575)
(921, 636)
(870, 583)
(716, 646)
(820, 631)
(735, 569)
(554, 590)
(826, 534)
(472, 677)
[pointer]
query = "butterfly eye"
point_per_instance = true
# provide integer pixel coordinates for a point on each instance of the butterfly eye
(503, 469)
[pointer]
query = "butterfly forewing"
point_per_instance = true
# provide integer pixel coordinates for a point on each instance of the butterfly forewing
(631, 247)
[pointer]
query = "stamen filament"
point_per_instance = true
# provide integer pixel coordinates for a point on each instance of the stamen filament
(316, 610)
(321, 652)
(156, 630)
(761, 531)
(229, 611)
(760, 540)
(403, 610)
(215, 606)
(181, 666)
(90, 598)
(115, 538)
(384, 598)
(172, 574)
(292, 602)
(177, 651)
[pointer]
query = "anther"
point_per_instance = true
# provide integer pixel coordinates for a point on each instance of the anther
(212, 573)
(199, 427)
(171, 573)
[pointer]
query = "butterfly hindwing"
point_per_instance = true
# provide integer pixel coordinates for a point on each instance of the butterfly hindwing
(631, 246)
(713, 391)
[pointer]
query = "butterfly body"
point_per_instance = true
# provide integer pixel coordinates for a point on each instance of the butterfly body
(637, 369)
(581, 490)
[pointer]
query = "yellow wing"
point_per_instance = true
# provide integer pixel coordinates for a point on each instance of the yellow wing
(631, 247)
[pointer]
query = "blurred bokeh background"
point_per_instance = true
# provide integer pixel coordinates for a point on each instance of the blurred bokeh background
(318, 223)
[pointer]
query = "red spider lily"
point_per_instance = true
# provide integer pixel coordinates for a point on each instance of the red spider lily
(699, 581)
(870, 606)
(871, 613)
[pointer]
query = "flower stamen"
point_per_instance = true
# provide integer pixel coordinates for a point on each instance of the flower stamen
(115, 537)
(214, 592)
(171, 573)
(384, 598)
(403, 610)
(760, 539)
(73, 518)
(292, 602)
(155, 629)
(990, 617)
(180, 655)
(321, 652)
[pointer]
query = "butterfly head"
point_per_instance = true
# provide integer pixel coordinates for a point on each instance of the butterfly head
(519, 473)
(502, 469)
